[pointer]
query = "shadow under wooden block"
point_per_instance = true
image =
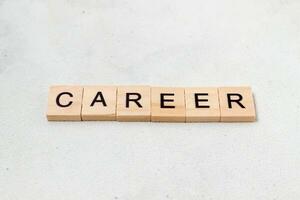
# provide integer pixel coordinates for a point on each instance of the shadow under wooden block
(236, 104)
(64, 103)
(133, 103)
(99, 103)
(202, 105)
(167, 104)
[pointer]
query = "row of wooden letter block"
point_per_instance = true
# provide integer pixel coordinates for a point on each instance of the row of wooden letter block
(144, 103)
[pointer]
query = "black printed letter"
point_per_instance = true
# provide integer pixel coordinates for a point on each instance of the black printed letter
(234, 100)
(197, 100)
(101, 100)
(58, 97)
(134, 100)
(163, 100)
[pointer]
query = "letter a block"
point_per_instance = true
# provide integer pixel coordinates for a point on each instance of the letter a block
(64, 103)
(236, 104)
(168, 104)
(99, 103)
(133, 103)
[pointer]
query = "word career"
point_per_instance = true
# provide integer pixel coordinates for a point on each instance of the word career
(156, 104)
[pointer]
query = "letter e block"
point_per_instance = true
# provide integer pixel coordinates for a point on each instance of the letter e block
(167, 104)
(202, 105)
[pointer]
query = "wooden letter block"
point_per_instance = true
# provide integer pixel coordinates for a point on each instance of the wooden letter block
(236, 104)
(99, 103)
(64, 103)
(133, 103)
(202, 105)
(168, 104)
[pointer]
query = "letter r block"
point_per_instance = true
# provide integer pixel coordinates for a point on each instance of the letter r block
(236, 104)
(167, 104)
(133, 103)
(64, 103)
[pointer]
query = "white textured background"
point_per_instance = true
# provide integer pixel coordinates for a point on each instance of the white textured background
(155, 42)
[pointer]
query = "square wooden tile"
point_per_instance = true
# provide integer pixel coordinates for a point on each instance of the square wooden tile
(64, 103)
(236, 104)
(202, 105)
(167, 104)
(99, 103)
(133, 103)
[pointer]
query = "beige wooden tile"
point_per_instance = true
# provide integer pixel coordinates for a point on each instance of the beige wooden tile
(202, 105)
(99, 103)
(133, 103)
(64, 103)
(236, 104)
(167, 104)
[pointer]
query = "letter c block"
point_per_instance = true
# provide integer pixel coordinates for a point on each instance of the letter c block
(64, 103)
